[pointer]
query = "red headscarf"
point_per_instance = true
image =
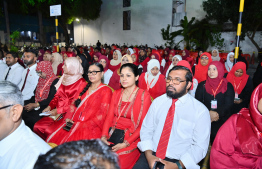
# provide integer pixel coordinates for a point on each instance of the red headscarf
(43, 86)
(187, 65)
(157, 56)
(137, 51)
(238, 82)
(40, 58)
(165, 56)
(137, 61)
(219, 83)
(97, 54)
(249, 126)
(186, 56)
(70, 54)
(107, 62)
(200, 70)
(54, 49)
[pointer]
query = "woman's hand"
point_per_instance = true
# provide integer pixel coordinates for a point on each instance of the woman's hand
(69, 120)
(30, 106)
(214, 115)
(119, 146)
(47, 109)
(105, 140)
(53, 112)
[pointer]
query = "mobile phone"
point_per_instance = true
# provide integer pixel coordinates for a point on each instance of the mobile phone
(158, 165)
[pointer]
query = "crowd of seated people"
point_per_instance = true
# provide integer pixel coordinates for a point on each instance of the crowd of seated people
(152, 107)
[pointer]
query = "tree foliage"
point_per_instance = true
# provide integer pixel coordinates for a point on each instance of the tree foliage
(168, 37)
(223, 11)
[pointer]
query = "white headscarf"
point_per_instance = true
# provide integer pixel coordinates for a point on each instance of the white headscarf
(215, 58)
(57, 60)
(116, 62)
(149, 78)
(131, 51)
(228, 63)
(171, 65)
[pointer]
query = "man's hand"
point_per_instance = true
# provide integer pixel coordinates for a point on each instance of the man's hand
(151, 159)
(214, 116)
(30, 106)
(238, 101)
(169, 165)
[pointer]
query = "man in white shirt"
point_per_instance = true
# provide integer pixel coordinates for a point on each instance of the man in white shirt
(176, 129)
(29, 76)
(19, 146)
(3, 66)
(14, 71)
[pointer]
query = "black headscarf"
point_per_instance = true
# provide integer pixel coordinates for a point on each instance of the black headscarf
(142, 58)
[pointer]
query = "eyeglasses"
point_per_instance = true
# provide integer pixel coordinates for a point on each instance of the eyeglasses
(204, 58)
(93, 72)
(6, 106)
(176, 81)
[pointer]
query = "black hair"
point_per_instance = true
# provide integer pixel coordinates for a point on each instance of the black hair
(108, 47)
(14, 54)
(31, 50)
(86, 154)
(189, 75)
(78, 101)
(133, 69)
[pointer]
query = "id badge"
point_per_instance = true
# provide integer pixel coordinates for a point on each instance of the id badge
(213, 104)
(236, 95)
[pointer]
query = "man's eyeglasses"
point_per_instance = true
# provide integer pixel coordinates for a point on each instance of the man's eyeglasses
(93, 72)
(6, 106)
(176, 81)
(204, 58)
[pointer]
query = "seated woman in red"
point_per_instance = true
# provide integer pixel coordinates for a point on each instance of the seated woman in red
(92, 106)
(153, 81)
(238, 142)
(57, 63)
(125, 116)
(200, 70)
(169, 62)
(143, 59)
(114, 81)
(115, 63)
(68, 89)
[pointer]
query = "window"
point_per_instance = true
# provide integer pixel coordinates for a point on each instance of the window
(126, 3)
(126, 20)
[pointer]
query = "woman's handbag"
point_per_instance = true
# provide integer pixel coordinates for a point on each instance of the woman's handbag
(117, 135)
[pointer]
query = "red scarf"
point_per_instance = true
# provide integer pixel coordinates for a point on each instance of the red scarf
(43, 85)
(238, 82)
(187, 65)
(107, 62)
(218, 84)
(136, 62)
(200, 70)
(249, 126)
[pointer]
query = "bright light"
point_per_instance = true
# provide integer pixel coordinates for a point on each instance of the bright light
(77, 20)
(29, 33)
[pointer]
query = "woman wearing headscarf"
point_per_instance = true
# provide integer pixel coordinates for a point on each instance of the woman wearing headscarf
(230, 61)
(127, 110)
(114, 81)
(169, 62)
(41, 53)
(57, 63)
(87, 120)
(215, 56)
(44, 93)
(217, 94)
(47, 57)
(107, 72)
(134, 57)
(185, 54)
(130, 51)
(143, 59)
(242, 84)
(155, 55)
(136, 51)
(96, 56)
(200, 70)
(115, 63)
(68, 89)
(238, 142)
(199, 52)
(54, 49)
(166, 54)
(153, 81)
(175, 60)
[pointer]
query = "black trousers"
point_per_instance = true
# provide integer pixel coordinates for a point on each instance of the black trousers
(143, 164)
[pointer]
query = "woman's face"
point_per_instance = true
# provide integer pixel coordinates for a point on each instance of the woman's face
(128, 52)
(103, 62)
(97, 77)
(238, 72)
(65, 56)
(127, 77)
(214, 53)
(204, 60)
(115, 56)
(184, 53)
(52, 58)
(170, 57)
(124, 60)
(134, 50)
(212, 71)
(95, 58)
(175, 61)
(65, 68)
(200, 52)
(231, 58)
(142, 53)
(41, 74)
(154, 71)
(45, 58)
(133, 58)
(39, 53)
(153, 57)
(149, 50)
(166, 52)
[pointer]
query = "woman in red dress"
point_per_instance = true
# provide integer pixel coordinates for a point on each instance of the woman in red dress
(114, 81)
(126, 113)
(153, 81)
(115, 63)
(68, 89)
(200, 70)
(89, 116)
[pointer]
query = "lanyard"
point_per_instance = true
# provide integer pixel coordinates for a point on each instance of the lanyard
(236, 87)
(124, 106)
(41, 91)
(214, 93)
(148, 86)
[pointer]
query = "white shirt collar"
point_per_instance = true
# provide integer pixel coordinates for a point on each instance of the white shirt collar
(182, 99)
(11, 139)
(33, 67)
(14, 65)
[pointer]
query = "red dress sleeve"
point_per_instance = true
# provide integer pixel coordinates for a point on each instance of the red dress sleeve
(142, 82)
(59, 70)
(114, 81)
